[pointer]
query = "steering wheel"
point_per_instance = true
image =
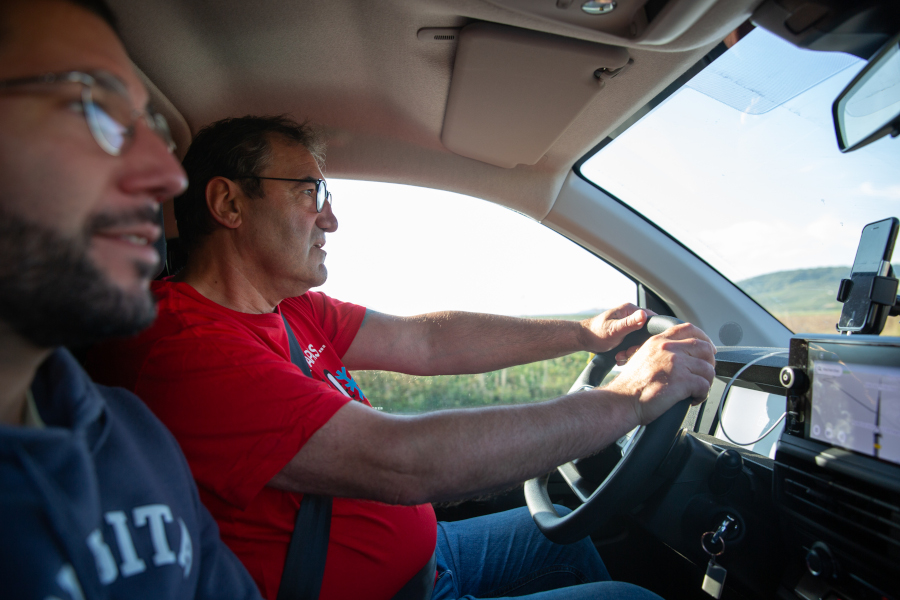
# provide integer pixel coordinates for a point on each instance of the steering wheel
(641, 455)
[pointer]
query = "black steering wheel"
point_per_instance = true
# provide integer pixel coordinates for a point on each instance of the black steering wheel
(641, 455)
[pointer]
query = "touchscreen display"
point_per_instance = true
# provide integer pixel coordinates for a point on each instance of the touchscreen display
(855, 406)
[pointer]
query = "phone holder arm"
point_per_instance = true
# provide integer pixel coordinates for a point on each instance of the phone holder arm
(895, 309)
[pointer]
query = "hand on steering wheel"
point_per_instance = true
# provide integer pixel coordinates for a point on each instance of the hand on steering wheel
(649, 445)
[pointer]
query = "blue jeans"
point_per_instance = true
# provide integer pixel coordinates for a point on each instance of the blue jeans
(505, 554)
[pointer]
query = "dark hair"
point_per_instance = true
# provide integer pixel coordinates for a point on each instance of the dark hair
(231, 148)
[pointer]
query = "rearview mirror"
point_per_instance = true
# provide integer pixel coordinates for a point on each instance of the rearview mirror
(869, 108)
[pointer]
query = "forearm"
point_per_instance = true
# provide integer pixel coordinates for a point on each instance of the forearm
(453, 343)
(455, 454)
(481, 451)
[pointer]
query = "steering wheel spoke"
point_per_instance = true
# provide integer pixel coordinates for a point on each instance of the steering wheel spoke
(579, 485)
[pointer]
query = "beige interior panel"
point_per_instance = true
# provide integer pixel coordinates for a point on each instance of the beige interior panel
(514, 92)
(631, 21)
(359, 69)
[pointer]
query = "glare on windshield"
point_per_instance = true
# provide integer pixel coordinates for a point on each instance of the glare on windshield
(741, 166)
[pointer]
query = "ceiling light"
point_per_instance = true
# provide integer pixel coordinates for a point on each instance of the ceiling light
(598, 7)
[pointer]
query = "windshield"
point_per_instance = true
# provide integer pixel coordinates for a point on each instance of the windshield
(741, 166)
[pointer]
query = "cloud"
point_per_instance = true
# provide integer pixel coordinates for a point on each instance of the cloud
(751, 248)
(890, 192)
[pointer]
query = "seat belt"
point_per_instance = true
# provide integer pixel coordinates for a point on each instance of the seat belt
(305, 563)
(421, 585)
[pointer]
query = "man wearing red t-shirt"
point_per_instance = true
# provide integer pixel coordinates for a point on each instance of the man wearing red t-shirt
(259, 433)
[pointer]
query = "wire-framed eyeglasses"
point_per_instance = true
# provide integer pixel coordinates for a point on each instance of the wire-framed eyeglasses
(106, 105)
(322, 193)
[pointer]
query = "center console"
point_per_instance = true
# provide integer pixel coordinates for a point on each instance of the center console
(837, 467)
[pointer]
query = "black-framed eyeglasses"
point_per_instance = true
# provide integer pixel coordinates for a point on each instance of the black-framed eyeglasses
(322, 193)
(107, 108)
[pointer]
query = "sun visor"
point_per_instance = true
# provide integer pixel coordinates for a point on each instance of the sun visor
(515, 91)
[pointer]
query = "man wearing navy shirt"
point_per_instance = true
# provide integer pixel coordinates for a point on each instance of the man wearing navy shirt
(96, 498)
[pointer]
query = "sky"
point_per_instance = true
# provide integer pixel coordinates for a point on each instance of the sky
(406, 250)
(757, 187)
(741, 166)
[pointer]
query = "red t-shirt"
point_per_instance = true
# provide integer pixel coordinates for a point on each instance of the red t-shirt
(223, 383)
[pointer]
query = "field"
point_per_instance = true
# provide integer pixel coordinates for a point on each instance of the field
(406, 394)
(397, 393)
(824, 322)
(803, 300)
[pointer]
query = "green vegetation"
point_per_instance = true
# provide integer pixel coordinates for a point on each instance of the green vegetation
(803, 290)
(397, 393)
(805, 299)
(406, 394)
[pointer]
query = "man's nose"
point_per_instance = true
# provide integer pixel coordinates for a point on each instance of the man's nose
(151, 169)
(326, 220)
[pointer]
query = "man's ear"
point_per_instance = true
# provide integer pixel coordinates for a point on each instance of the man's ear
(222, 200)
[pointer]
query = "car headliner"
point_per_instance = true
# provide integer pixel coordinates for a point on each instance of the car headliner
(357, 69)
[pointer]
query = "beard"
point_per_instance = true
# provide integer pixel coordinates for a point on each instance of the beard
(51, 292)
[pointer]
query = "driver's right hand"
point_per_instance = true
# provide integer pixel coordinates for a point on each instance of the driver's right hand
(672, 366)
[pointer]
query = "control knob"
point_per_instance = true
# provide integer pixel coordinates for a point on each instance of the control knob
(728, 466)
(794, 380)
(820, 562)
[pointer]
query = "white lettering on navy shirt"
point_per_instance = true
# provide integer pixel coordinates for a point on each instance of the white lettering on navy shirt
(156, 514)
(151, 517)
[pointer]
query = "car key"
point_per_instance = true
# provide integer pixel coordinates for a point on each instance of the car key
(714, 580)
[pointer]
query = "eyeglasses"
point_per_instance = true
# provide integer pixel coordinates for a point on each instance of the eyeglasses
(107, 108)
(322, 193)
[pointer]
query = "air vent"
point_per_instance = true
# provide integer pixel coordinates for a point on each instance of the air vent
(867, 517)
(436, 34)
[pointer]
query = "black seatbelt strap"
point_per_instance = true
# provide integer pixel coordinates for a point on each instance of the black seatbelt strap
(305, 563)
(296, 352)
(421, 585)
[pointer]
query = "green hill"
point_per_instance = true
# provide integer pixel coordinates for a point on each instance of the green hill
(801, 290)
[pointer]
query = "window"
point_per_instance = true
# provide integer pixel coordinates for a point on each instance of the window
(740, 165)
(404, 250)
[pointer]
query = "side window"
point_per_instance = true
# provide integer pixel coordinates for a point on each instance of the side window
(404, 250)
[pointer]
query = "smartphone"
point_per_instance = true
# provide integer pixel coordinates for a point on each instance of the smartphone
(876, 246)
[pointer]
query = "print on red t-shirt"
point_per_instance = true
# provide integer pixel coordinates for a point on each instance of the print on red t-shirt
(223, 383)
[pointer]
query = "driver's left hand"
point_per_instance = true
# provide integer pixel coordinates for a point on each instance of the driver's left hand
(608, 329)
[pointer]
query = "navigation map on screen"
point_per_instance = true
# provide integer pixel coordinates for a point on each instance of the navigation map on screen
(857, 407)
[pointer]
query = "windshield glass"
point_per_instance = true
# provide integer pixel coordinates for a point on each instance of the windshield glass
(741, 166)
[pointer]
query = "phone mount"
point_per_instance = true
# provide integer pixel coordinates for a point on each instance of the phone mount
(876, 295)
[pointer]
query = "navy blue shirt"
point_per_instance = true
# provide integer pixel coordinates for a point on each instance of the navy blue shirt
(100, 503)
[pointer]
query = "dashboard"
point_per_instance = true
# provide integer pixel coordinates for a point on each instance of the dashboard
(817, 519)
(837, 468)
